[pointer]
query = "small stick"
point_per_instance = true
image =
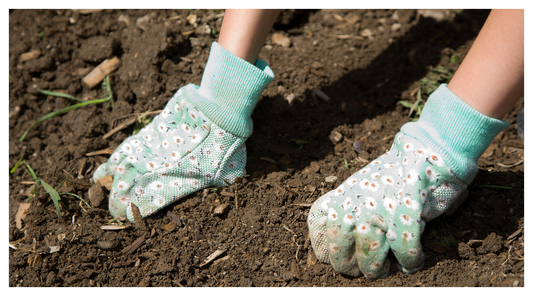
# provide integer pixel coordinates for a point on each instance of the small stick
(236, 200)
(121, 126)
(101, 71)
(103, 151)
(137, 243)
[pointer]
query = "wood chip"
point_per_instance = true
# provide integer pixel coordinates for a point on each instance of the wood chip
(174, 218)
(98, 74)
(121, 126)
(27, 182)
(107, 151)
(112, 227)
(21, 214)
(267, 159)
(212, 257)
(321, 95)
(221, 209)
(136, 244)
(106, 181)
(137, 217)
(29, 55)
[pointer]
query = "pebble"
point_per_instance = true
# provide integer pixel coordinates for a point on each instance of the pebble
(331, 179)
(279, 39)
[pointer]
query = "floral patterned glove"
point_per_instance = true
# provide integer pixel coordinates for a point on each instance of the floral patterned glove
(196, 142)
(387, 203)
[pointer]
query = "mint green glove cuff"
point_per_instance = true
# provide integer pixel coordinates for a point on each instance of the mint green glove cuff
(229, 90)
(457, 131)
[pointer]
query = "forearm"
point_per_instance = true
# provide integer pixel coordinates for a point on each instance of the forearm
(244, 31)
(491, 77)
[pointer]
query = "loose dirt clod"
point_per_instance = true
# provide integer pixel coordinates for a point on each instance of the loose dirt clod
(21, 214)
(96, 194)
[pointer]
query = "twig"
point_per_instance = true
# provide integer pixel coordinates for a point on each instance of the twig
(510, 165)
(99, 152)
(121, 126)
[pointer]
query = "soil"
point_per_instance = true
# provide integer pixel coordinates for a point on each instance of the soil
(366, 61)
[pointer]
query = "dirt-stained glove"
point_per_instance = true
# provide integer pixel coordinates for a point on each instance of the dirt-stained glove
(387, 204)
(196, 142)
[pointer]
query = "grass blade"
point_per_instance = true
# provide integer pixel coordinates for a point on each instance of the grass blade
(78, 198)
(54, 195)
(58, 94)
(59, 112)
(16, 165)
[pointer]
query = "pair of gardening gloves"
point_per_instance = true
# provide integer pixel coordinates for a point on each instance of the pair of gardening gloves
(198, 141)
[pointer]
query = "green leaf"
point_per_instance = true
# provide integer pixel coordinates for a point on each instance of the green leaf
(54, 195)
(17, 165)
(58, 94)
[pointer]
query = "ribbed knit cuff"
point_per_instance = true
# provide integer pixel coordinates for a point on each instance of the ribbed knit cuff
(229, 90)
(455, 130)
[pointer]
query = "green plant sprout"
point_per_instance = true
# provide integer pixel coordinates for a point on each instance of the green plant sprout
(142, 121)
(108, 98)
(300, 143)
(347, 164)
(54, 195)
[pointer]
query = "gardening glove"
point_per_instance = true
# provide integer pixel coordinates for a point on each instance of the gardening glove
(197, 141)
(386, 204)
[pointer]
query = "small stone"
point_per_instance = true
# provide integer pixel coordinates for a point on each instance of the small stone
(331, 179)
(221, 209)
(395, 27)
(366, 33)
(105, 245)
(279, 39)
(290, 98)
(335, 137)
(96, 194)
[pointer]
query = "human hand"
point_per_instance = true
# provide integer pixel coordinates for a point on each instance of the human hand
(384, 206)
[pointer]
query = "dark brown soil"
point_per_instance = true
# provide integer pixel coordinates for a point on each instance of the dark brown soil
(264, 232)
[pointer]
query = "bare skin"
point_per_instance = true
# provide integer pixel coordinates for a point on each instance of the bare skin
(244, 31)
(491, 77)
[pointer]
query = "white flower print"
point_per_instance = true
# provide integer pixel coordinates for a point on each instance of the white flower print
(135, 142)
(412, 177)
(186, 128)
(432, 188)
(373, 186)
(375, 162)
(365, 170)
(126, 149)
(379, 231)
(324, 205)
(151, 165)
(139, 191)
(156, 185)
(363, 228)
(205, 127)
(322, 221)
(190, 172)
(423, 195)
(405, 160)
(387, 180)
(411, 203)
(375, 175)
(159, 200)
(400, 193)
(374, 245)
(339, 190)
(351, 181)
(165, 144)
(175, 155)
(390, 205)
(138, 149)
(166, 112)
(436, 159)
(121, 169)
(348, 219)
(400, 172)
(112, 168)
(193, 115)
(177, 108)
(414, 252)
(148, 138)
(115, 157)
(421, 152)
(122, 185)
(406, 235)
(332, 214)
(408, 147)
(161, 127)
(406, 219)
(347, 203)
(450, 172)
(370, 203)
(196, 138)
(176, 183)
(430, 173)
(177, 140)
(193, 183)
(391, 234)
(375, 265)
(389, 165)
(365, 183)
